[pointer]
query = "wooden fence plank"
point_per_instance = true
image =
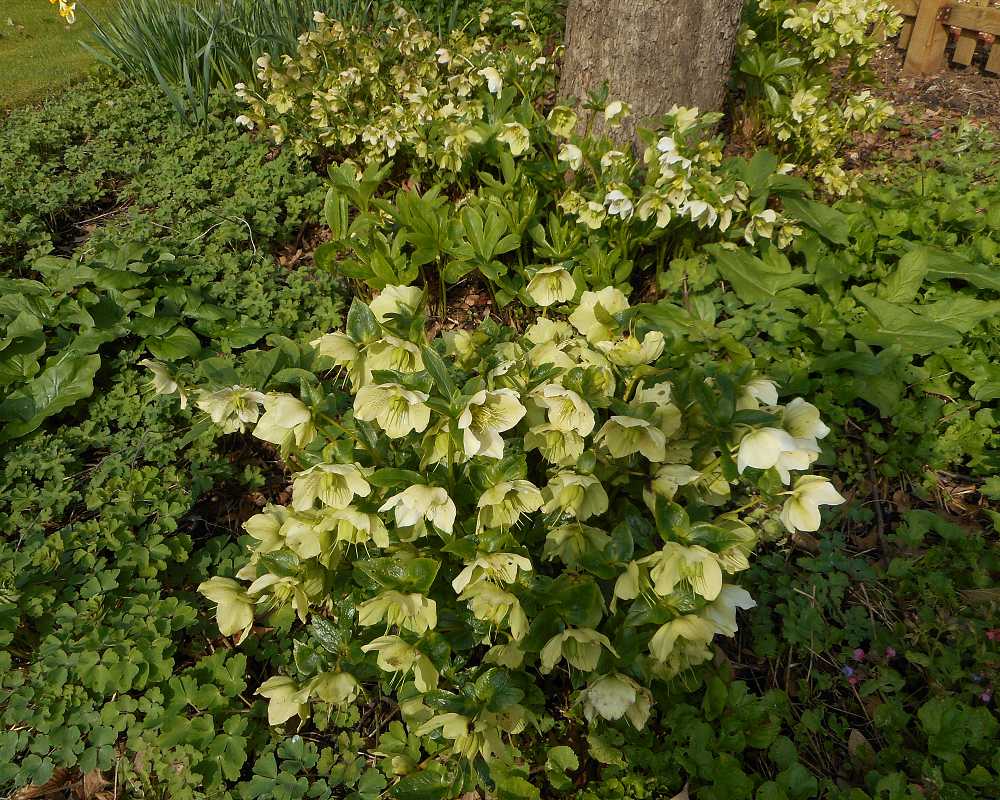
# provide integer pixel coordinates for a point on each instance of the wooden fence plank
(965, 46)
(972, 18)
(993, 62)
(926, 53)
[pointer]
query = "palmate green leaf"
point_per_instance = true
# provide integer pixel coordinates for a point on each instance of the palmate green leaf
(889, 325)
(753, 280)
(66, 379)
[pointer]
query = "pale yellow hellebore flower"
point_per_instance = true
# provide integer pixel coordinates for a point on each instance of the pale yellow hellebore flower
(689, 627)
(286, 422)
(581, 647)
(502, 505)
(234, 610)
(232, 409)
(584, 318)
(412, 612)
(334, 485)
(395, 655)
(419, 503)
(676, 563)
(163, 382)
(561, 120)
(489, 603)
(285, 699)
(631, 352)
(567, 411)
(494, 567)
(624, 436)
(551, 285)
(612, 697)
(516, 137)
(579, 496)
(486, 415)
(397, 410)
(395, 300)
(801, 509)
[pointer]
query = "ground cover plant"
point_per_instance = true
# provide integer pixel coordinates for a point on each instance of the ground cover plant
(568, 553)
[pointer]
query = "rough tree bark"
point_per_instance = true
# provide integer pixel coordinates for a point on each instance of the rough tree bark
(652, 53)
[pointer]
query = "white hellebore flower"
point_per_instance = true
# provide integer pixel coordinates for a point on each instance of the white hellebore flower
(486, 415)
(722, 611)
(414, 612)
(232, 409)
(616, 111)
(615, 696)
(516, 137)
(801, 419)
(345, 353)
(579, 496)
(392, 353)
(630, 352)
(334, 485)
(395, 655)
(572, 155)
(163, 382)
(286, 421)
(394, 299)
(755, 392)
(494, 567)
(397, 410)
(418, 503)
(762, 448)
(490, 603)
(234, 610)
(584, 318)
(494, 83)
(801, 509)
(562, 120)
(551, 285)
(285, 699)
(676, 563)
(624, 436)
(581, 647)
(502, 505)
(619, 204)
(567, 411)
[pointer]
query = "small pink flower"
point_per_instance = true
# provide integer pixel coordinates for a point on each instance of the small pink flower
(859, 654)
(986, 697)
(854, 680)
(890, 652)
(993, 634)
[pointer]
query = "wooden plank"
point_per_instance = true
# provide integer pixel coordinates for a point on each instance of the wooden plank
(993, 62)
(926, 53)
(907, 8)
(965, 46)
(985, 20)
(904, 35)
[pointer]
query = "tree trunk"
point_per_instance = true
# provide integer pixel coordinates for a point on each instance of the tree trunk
(652, 53)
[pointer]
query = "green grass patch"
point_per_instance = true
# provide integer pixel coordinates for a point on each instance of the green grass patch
(39, 52)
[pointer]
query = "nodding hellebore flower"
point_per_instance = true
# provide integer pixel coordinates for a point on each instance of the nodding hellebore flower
(494, 82)
(579, 496)
(344, 352)
(585, 320)
(334, 485)
(502, 505)
(676, 563)
(557, 446)
(493, 567)
(615, 696)
(489, 603)
(486, 415)
(397, 410)
(571, 155)
(624, 436)
(395, 655)
(561, 121)
(581, 647)
(801, 509)
(286, 422)
(755, 392)
(567, 411)
(234, 609)
(412, 612)
(163, 382)
(396, 300)
(516, 137)
(629, 351)
(768, 447)
(393, 353)
(232, 409)
(286, 699)
(419, 503)
(551, 285)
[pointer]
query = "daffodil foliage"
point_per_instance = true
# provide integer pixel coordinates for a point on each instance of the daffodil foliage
(492, 523)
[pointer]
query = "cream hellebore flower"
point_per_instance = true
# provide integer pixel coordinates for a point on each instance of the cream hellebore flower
(557, 446)
(493, 567)
(419, 503)
(486, 415)
(761, 224)
(721, 612)
(584, 318)
(692, 629)
(397, 410)
(412, 612)
(395, 299)
(285, 699)
(616, 111)
(676, 563)
(267, 528)
(755, 392)
(286, 422)
(234, 609)
(615, 696)
(581, 647)
(551, 285)
(489, 603)
(592, 214)
(232, 409)
(762, 448)
(630, 352)
(624, 436)
(344, 352)
(801, 509)
(670, 477)
(570, 542)
(545, 330)
(561, 121)
(358, 527)
(801, 419)
(395, 655)
(516, 137)
(619, 204)
(163, 382)
(572, 155)
(580, 496)
(494, 83)
(393, 353)
(502, 505)
(336, 688)
(567, 411)
(666, 415)
(334, 485)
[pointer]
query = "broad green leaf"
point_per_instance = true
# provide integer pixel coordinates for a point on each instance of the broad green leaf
(889, 325)
(752, 279)
(827, 222)
(179, 343)
(65, 380)
(902, 286)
